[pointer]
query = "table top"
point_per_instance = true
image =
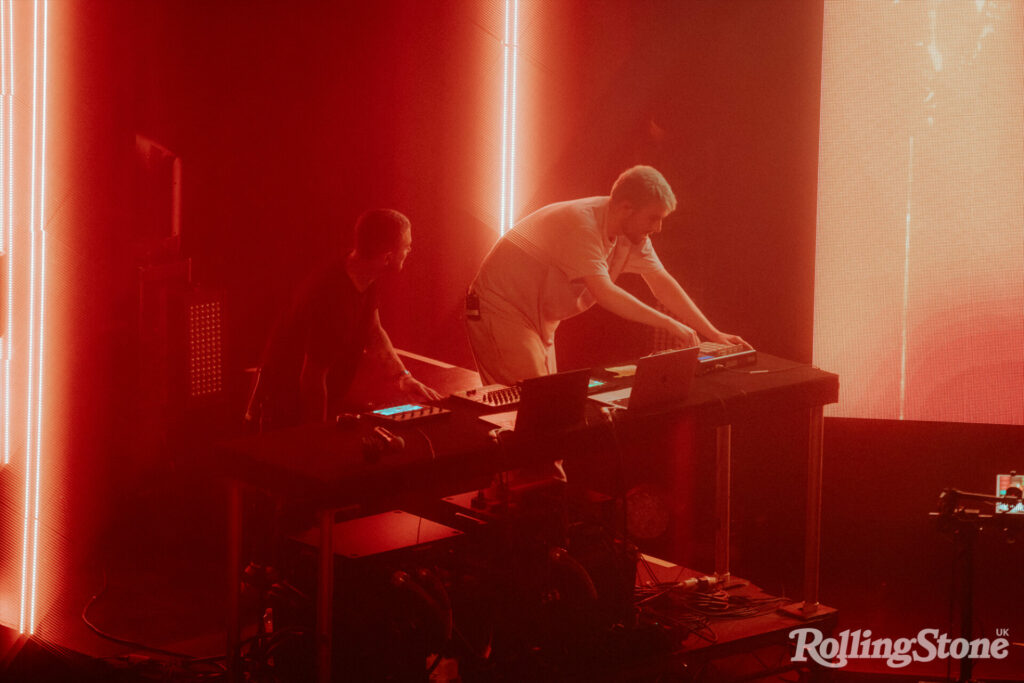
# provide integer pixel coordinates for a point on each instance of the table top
(322, 463)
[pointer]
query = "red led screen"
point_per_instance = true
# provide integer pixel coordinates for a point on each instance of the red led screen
(919, 275)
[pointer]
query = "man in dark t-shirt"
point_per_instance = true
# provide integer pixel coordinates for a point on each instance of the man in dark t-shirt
(331, 324)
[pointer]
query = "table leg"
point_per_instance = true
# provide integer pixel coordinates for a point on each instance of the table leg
(234, 578)
(812, 523)
(325, 596)
(723, 492)
(812, 551)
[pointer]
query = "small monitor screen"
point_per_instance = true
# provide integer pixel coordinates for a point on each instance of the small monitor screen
(1007, 481)
(397, 410)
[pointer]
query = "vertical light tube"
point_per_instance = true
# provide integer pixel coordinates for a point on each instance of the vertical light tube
(42, 316)
(508, 115)
(37, 246)
(9, 148)
(26, 547)
(512, 117)
(6, 223)
(504, 118)
(906, 286)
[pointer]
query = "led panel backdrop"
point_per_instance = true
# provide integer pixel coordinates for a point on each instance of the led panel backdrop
(919, 276)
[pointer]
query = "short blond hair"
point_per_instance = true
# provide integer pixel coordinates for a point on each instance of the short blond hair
(642, 185)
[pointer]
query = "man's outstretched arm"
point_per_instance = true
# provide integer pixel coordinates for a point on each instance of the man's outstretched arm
(668, 291)
(623, 304)
(379, 346)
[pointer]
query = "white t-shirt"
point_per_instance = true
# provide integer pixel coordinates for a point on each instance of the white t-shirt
(567, 241)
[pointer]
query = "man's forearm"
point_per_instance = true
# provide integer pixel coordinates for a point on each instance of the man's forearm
(625, 305)
(383, 352)
(683, 307)
(673, 297)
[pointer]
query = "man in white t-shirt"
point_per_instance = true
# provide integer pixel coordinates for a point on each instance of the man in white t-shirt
(563, 258)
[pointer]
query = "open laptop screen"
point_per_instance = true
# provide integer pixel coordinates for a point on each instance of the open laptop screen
(661, 379)
(552, 402)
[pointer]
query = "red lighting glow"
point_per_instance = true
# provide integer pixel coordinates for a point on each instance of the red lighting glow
(918, 287)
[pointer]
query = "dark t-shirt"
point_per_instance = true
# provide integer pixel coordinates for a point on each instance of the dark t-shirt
(330, 320)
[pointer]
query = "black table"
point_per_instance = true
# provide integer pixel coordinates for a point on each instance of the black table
(324, 465)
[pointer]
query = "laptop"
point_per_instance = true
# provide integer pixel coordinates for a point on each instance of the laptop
(553, 402)
(661, 379)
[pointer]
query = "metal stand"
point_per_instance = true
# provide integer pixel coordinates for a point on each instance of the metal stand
(325, 597)
(723, 495)
(966, 515)
(966, 540)
(812, 525)
(233, 577)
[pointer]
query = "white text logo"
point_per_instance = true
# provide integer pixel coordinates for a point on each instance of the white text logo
(927, 646)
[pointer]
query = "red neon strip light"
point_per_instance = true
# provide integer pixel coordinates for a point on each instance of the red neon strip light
(512, 115)
(33, 459)
(26, 549)
(42, 326)
(508, 115)
(10, 233)
(6, 217)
